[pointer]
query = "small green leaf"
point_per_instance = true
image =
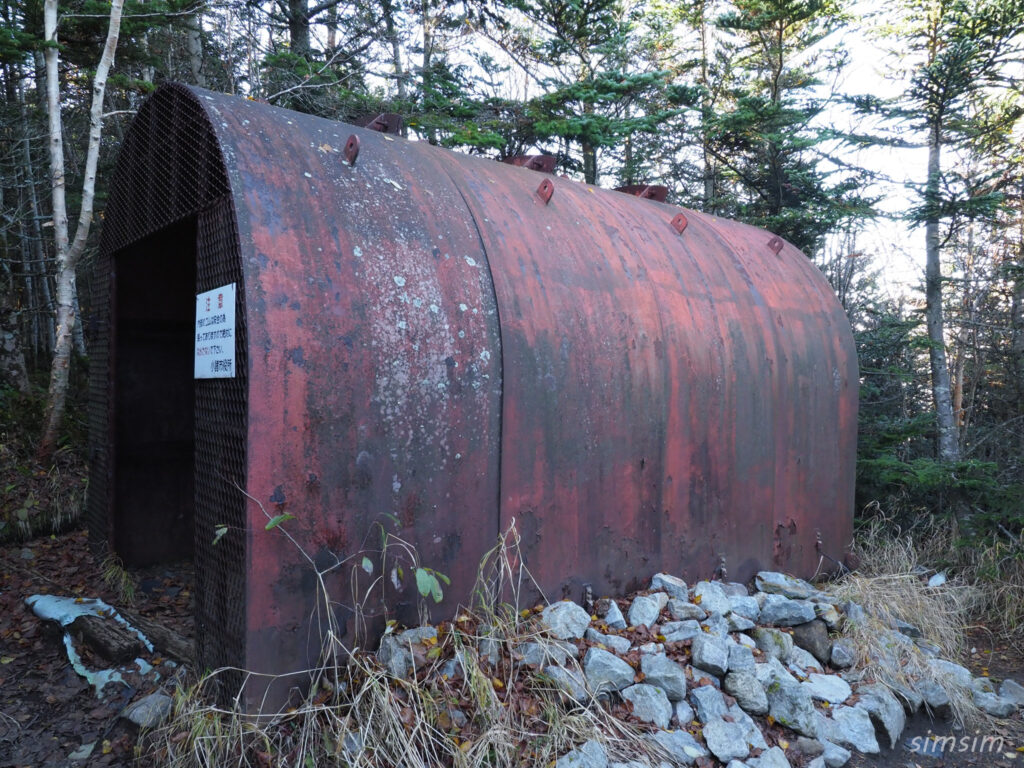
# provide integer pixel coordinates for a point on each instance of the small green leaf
(23, 514)
(424, 581)
(442, 577)
(276, 521)
(219, 532)
(367, 565)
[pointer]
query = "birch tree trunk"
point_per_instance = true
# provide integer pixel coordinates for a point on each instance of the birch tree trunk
(68, 252)
(194, 46)
(947, 445)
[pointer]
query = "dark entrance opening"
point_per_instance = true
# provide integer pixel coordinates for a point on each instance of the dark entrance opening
(153, 396)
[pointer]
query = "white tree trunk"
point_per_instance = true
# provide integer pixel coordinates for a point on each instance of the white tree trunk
(947, 443)
(194, 46)
(67, 253)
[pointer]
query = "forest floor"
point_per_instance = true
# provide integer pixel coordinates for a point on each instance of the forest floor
(52, 717)
(49, 715)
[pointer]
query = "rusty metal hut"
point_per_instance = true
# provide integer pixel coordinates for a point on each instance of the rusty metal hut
(439, 345)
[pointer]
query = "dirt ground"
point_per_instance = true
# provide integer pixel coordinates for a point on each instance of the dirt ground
(51, 717)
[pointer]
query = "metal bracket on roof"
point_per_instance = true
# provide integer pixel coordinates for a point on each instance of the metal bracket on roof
(542, 163)
(679, 222)
(352, 149)
(545, 191)
(646, 191)
(386, 122)
(775, 244)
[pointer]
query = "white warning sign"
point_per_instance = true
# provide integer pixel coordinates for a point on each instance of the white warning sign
(215, 333)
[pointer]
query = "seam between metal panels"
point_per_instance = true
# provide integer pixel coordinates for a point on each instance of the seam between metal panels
(501, 344)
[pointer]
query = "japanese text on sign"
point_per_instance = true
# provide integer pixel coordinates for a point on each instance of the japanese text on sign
(215, 333)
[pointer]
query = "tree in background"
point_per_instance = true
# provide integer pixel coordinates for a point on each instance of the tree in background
(959, 51)
(768, 139)
(68, 251)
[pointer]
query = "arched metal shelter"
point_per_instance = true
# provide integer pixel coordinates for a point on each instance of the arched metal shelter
(439, 345)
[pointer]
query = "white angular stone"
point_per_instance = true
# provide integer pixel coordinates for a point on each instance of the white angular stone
(733, 589)
(751, 731)
(565, 620)
(650, 704)
(803, 659)
(677, 631)
(885, 710)
(770, 758)
(588, 755)
(736, 623)
(935, 696)
(748, 692)
(781, 611)
(852, 727)
(680, 745)
(541, 654)
(616, 643)
(683, 714)
(569, 681)
(790, 705)
(613, 617)
(666, 674)
(708, 703)
(772, 670)
(605, 671)
(741, 658)
(711, 654)
(716, 624)
(149, 711)
(681, 610)
(651, 648)
(830, 688)
(781, 584)
(1013, 691)
(835, 755)
(773, 643)
(947, 669)
(673, 585)
(745, 606)
(644, 611)
(994, 704)
(710, 596)
(725, 740)
(844, 653)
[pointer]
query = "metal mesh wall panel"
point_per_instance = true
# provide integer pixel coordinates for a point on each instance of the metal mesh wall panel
(221, 424)
(170, 168)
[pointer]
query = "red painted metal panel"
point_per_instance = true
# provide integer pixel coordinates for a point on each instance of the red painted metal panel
(374, 369)
(669, 399)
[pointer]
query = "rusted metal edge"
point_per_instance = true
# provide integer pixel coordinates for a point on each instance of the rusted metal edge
(386, 122)
(647, 191)
(541, 163)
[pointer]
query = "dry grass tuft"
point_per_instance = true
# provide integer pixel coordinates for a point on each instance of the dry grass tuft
(468, 704)
(891, 583)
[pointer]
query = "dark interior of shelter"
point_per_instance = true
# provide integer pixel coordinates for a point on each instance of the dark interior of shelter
(154, 444)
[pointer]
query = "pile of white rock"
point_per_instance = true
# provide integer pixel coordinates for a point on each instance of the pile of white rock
(700, 663)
